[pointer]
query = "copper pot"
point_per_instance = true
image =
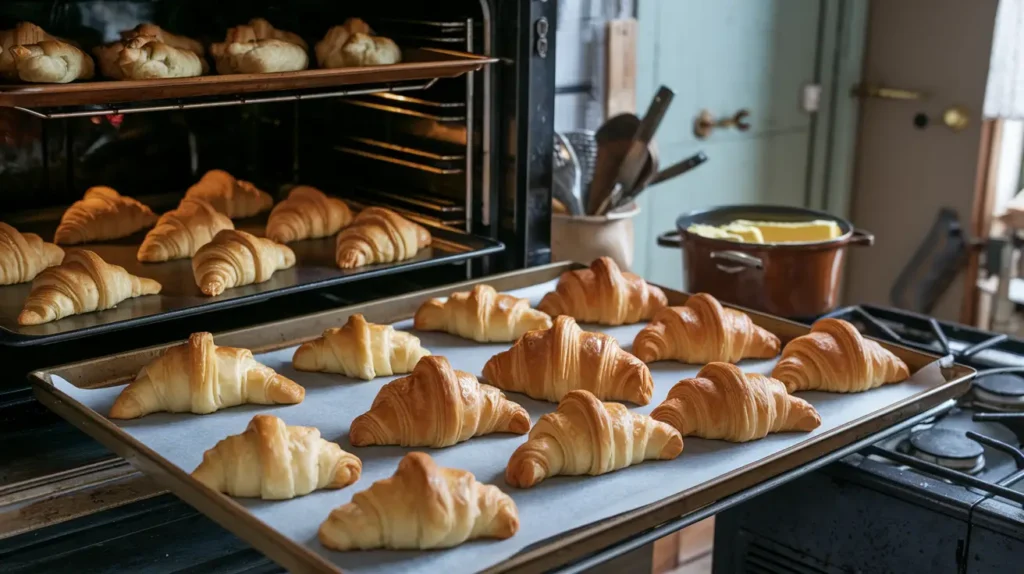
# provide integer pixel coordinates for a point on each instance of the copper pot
(793, 280)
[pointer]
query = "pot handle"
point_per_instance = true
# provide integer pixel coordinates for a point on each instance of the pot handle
(671, 239)
(739, 260)
(861, 237)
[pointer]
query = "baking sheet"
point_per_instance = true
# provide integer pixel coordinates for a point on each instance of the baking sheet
(554, 507)
(315, 267)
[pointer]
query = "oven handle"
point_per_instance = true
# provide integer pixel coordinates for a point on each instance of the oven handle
(708, 511)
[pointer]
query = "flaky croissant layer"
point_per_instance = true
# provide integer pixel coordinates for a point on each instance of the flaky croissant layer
(603, 294)
(360, 349)
(482, 315)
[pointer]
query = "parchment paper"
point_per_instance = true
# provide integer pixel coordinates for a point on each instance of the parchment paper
(556, 506)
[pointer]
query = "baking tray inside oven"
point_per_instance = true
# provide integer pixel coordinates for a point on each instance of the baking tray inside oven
(315, 267)
(562, 519)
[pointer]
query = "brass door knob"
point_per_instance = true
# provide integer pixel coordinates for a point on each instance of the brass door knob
(706, 123)
(956, 118)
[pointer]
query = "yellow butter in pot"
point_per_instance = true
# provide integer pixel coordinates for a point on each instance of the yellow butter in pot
(746, 231)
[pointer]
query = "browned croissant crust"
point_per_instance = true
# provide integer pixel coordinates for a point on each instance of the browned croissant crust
(354, 44)
(724, 403)
(422, 506)
(548, 364)
(24, 255)
(360, 349)
(82, 283)
(835, 358)
(379, 235)
(51, 62)
(235, 258)
(436, 406)
(586, 436)
(180, 233)
(145, 58)
(603, 294)
(201, 377)
(483, 315)
(102, 214)
(259, 48)
(234, 198)
(702, 332)
(307, 213)
(276, 462)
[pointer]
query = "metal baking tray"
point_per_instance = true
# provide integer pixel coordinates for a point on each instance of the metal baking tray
(315, 268)
(562, 520)
(417, 64)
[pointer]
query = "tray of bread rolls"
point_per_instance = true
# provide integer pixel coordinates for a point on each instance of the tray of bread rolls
(115, 262)
(493, 425)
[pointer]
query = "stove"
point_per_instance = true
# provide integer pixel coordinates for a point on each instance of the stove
(946, 495)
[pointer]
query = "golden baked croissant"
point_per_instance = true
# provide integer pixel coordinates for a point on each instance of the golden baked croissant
(834, 358)
(51, 62)
(24, 255)
(146, 58)
(436, 406)
(603, 294)
(701, 332)
(200, 377)
(354, 44)
(273, 461)
(379, 235)
(483, 315)
(586, 436)
(82, 283)
(423, 506)
(259, 48)
(360, 349)
(307, 214)
(548, 364)
(235, 258)
(724, 403)
(234, 198)
(172, 40)
(180, 233)
(100, 215)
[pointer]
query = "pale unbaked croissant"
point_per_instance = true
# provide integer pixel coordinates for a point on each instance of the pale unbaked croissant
(235, 258)
(51, 62)
(200, 377)
(548, 364)
(100, 215)
(146, 57)
(259, 48)
(379, 235)
(360, 349)
(24, 255)
(24, 34)
(603, 294)
(307, 214)
(234, 198)
(423, 506)
(586, 436)
(483, 315)
(82, 283)
(108, 56)
(181, 232)
(835, 358)
(354, 44)
(724, 403)
(273, 461)
(701, 332)
(436, 406)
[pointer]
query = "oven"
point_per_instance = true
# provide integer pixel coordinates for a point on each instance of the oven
(461, 144)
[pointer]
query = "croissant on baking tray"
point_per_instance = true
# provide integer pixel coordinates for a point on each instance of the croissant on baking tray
(547, 364)
(24, 255)
(307, 213)
(234, 198)
(200, 377)
(702, 331)
(235, 258)
(23, 34)
(146, 58)
(835, 358)
(603, 294)
(181, 232)
(172, 40)
(102, 214)
(274, 461)
(28, 53)
(482, 315)
(82, 283)
(379, 235)
(586, 436)
(259, 48)
(436, 406)
(360, 349)
(722, 402)
(354, 44)
(421, 507)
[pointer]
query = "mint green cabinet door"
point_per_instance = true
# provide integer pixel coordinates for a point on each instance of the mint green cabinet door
(724, 56)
